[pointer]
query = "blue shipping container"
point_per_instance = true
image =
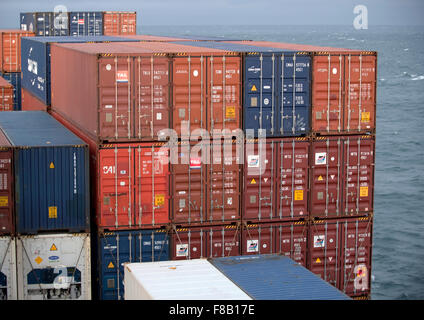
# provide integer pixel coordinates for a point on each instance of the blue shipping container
(45, 23)
(269, 102)
(51, 174)
(86, 23)
(275, 277)
(35, 60)
(15, 79)
(117, 248)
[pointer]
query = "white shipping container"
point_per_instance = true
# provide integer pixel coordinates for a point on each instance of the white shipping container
(8, 290)
(194, 279)
(54, 266)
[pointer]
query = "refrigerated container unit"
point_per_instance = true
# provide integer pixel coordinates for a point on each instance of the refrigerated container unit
(8, 289)
(119, 247)
(6, 95)
(45, 23)
(343, 88)
(340, 252)
(230, 278)
(89, 23)
(14, 78)
(119, 23)
(36, 61)
(54, 267)
(10, 49)
(276, 88)
(276, 179)
(50, 174)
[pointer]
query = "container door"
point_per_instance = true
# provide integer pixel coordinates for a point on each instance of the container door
(324, 255)
(44, 21)
(115, 97)
(6, 98)
(224, 94)
(223, 187)
(189, 95)
(358, 186)
(151, 245)
(11, 54)
(291, 240)
(8, 290)
(188, 184)
(326, 180)
(116, 188)
(223, 241)
(258, 239)
(6, 192)
(152, 97)
(189, 244)
(293, 178)
(360, 98)
(116, 248)
(77, 24)
(356, 257)
(327, 94)
(260, 97)
(152, 185)
(259, 180)
(294, 95)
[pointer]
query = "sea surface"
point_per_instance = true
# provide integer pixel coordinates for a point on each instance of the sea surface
(398, 236)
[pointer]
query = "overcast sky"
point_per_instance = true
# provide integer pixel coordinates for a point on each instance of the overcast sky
(233, 12)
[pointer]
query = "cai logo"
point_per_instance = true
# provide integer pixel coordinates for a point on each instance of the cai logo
(252, 245)
(319, 241)
(182, 250)
(253, 161)
(321, 158)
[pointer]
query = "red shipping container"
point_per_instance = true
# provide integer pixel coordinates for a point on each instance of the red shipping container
(31, 103)
(130, 183)
(205, 180)
(205, 242)
(119, 23)
(276, 188)
(10, 49)
(258, 239)
(342, 176)
(6, 187)
(6, 95)
(343, 88)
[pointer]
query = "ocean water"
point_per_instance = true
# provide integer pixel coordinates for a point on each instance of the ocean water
(398, 236)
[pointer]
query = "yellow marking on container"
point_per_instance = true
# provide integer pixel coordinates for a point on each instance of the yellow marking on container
(53, 247)
(110, 265)
(365, 117)
(230, 112)
(363, 191)
(4, 201)
(38, 260)
(318, 260)
(254, 88)
(298, 195)
(53, 212)
(320, 178)
(159, 200)
(51, 165)
(253, 181)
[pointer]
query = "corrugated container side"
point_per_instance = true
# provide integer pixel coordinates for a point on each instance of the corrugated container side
(291, 240)
(14, 78)
(117, 248)
(7, 217)
(8, 289)
(10, 49)
(119, 23)
(31, 103)
(258, 239)
(6, 95)
(54, 266)
(86, 23)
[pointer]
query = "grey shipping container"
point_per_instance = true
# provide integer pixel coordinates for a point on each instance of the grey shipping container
(51, 174)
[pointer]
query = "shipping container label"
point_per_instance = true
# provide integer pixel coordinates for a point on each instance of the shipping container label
(253, 161)
(195, 163)
(159, 200)
(252, 245)
(182, 250)
(319, 241)
(320, 158)
(52, 212)
(230, 112)
(38, 260)
(298, 195)
(365, 117)
(4, 201)
(363, 192)
(122, 76)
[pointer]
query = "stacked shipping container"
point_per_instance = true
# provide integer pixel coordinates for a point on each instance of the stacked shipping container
(44, 202)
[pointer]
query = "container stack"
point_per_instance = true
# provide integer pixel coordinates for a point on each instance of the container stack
(44, 205)
(79, 23)
(10, 65)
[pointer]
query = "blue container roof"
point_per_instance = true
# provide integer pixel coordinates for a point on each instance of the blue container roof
(276, 277)
(36, 129)
(70, 39)
(235, 47)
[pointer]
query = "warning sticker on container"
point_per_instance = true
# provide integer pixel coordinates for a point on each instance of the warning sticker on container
(253, 88)
(38, 260)
(319, 241)
(298, 195)
(253, 161)
(4, 201)
(53, 247)
(252, 245)
(363, 191)
(365, 117)
(52, 212)
(182, 250)
(159, 200)
(195, 163)
(320, 158)
(230, 112)
(122, 76)
(110, 265)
